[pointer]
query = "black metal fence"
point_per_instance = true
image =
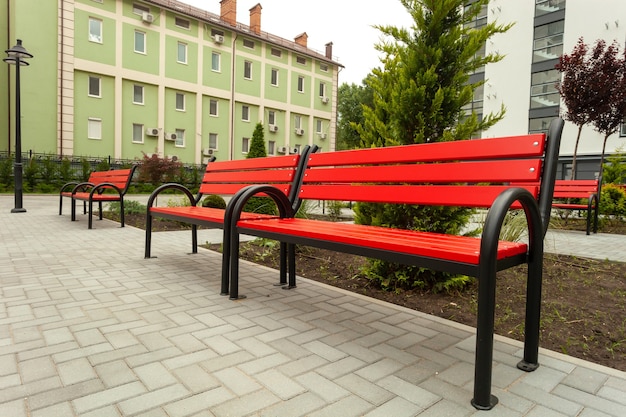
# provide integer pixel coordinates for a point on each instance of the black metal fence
(46, 172)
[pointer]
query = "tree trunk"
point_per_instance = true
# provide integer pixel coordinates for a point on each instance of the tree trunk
(573, 176)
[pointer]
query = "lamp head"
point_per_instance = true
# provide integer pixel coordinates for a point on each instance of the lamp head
(18, 52)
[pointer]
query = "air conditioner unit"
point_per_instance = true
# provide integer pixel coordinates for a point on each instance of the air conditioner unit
(218, 38)
(147, 17)
(174, 158)
(322, 135)
(282, 149)
(325, 100)
(299, 132)
(208, 151)
(273, 128)
(294, 150)
(152, 131)
(170, 136)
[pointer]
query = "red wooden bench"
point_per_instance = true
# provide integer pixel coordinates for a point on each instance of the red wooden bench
(564, 190)
(472, 173)
(226, 178)
(101, 187)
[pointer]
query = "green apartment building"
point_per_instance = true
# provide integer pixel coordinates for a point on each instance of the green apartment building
(119, 78)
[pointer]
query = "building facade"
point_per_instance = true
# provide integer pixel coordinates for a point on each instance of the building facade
(525, 80)
(123, 78)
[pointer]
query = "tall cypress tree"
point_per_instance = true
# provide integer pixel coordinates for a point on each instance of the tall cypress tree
(257, 144)
(419, 96)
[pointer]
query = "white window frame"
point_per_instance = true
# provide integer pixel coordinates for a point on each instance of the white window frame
(184, 51)
(213, 141)
(245, 113)
(138, 89)
(323, 67)
(137, 133)
(145, 38)
(319, 126)
(94, 128)
(276, 52)
(216, 61)
(274, 76)
(178, 21)
(96, 34)
(214, 107)
(297, 121)
(301, 60)
(180, 138)
(247, 43)
(271, 147)
(300, 84)
(97, 94)
(183, 100)
(322, 89)
(247, 70)
(245, 145)
(140, 9)
(271, 117)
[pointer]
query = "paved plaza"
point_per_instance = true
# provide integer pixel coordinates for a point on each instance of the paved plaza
(90, 328)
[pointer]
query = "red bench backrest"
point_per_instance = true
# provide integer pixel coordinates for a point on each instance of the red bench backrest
(121, 178)
(575, 188)
(469, 173)
(228, 177)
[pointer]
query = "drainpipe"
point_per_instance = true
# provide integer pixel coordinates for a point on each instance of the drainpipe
(61, 77)
(232, 99)
(9, 80)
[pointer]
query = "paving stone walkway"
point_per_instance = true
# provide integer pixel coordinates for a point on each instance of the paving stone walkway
(89, 328)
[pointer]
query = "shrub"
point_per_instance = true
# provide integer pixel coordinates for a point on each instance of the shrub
(214, 201)
(613, 202)
(6, 171)
(157, 170)
(130, 207)
(262, 205)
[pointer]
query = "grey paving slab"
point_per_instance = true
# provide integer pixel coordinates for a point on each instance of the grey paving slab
(89, 328)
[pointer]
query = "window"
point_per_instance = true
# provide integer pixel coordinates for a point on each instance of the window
(94, 128)
(247, 70)
(245, 145)
(276, 52)
(137, 133)
(318, 126)
(180, 138)
(216, 32)
(548, 42)
(274, 77)
(300, 84)
(138, 94)
(622, 128)
(140, 9)
(540, 125)
(180, 101)
(298, 121)
(215, 61)
(95, 30)
(97, 1)
(548, 6)
(181, 23)
(213, 140)
(322, 90)
(271, 117)
(182, 53)
(94, 86)
(213, 108)
(271, 147)
(248, 43)
(543, 91)
(301, 60)
(245, 113)
(324, 67)
(140, 42)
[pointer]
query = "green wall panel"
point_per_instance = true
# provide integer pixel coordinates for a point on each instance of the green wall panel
(146, 62)
(104, 52)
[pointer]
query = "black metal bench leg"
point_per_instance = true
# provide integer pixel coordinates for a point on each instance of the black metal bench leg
(291, 262)
(234, 265)
(73, 216)
(122, 219)
(533, 312)
(60, 205)
(148, 243)
(483, 400)
(194, 238)
(282, 265)
(90, 221)
(225, 258)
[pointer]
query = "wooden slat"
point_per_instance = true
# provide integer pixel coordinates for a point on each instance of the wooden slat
(253, 176)
(230, 189)
(453, 195)
(434, 245)
(485, 171)
(208, 214)
(273, 162)
(478, 149)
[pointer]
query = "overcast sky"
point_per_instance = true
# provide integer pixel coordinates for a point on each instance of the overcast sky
(345, 23)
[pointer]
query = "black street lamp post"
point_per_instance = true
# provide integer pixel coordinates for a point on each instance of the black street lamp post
(17, 54)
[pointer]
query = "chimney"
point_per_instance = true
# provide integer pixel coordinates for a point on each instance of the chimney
(255, 19)
(301, 39)
(329, 50)
(228, 11)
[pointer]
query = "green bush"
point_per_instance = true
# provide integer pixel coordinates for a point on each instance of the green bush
(613, 202)
(261, 205)
(130, 207)
(214, 201)
(6, 172)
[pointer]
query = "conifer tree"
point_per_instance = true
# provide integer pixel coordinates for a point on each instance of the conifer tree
(257, 144)
(419, 96)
